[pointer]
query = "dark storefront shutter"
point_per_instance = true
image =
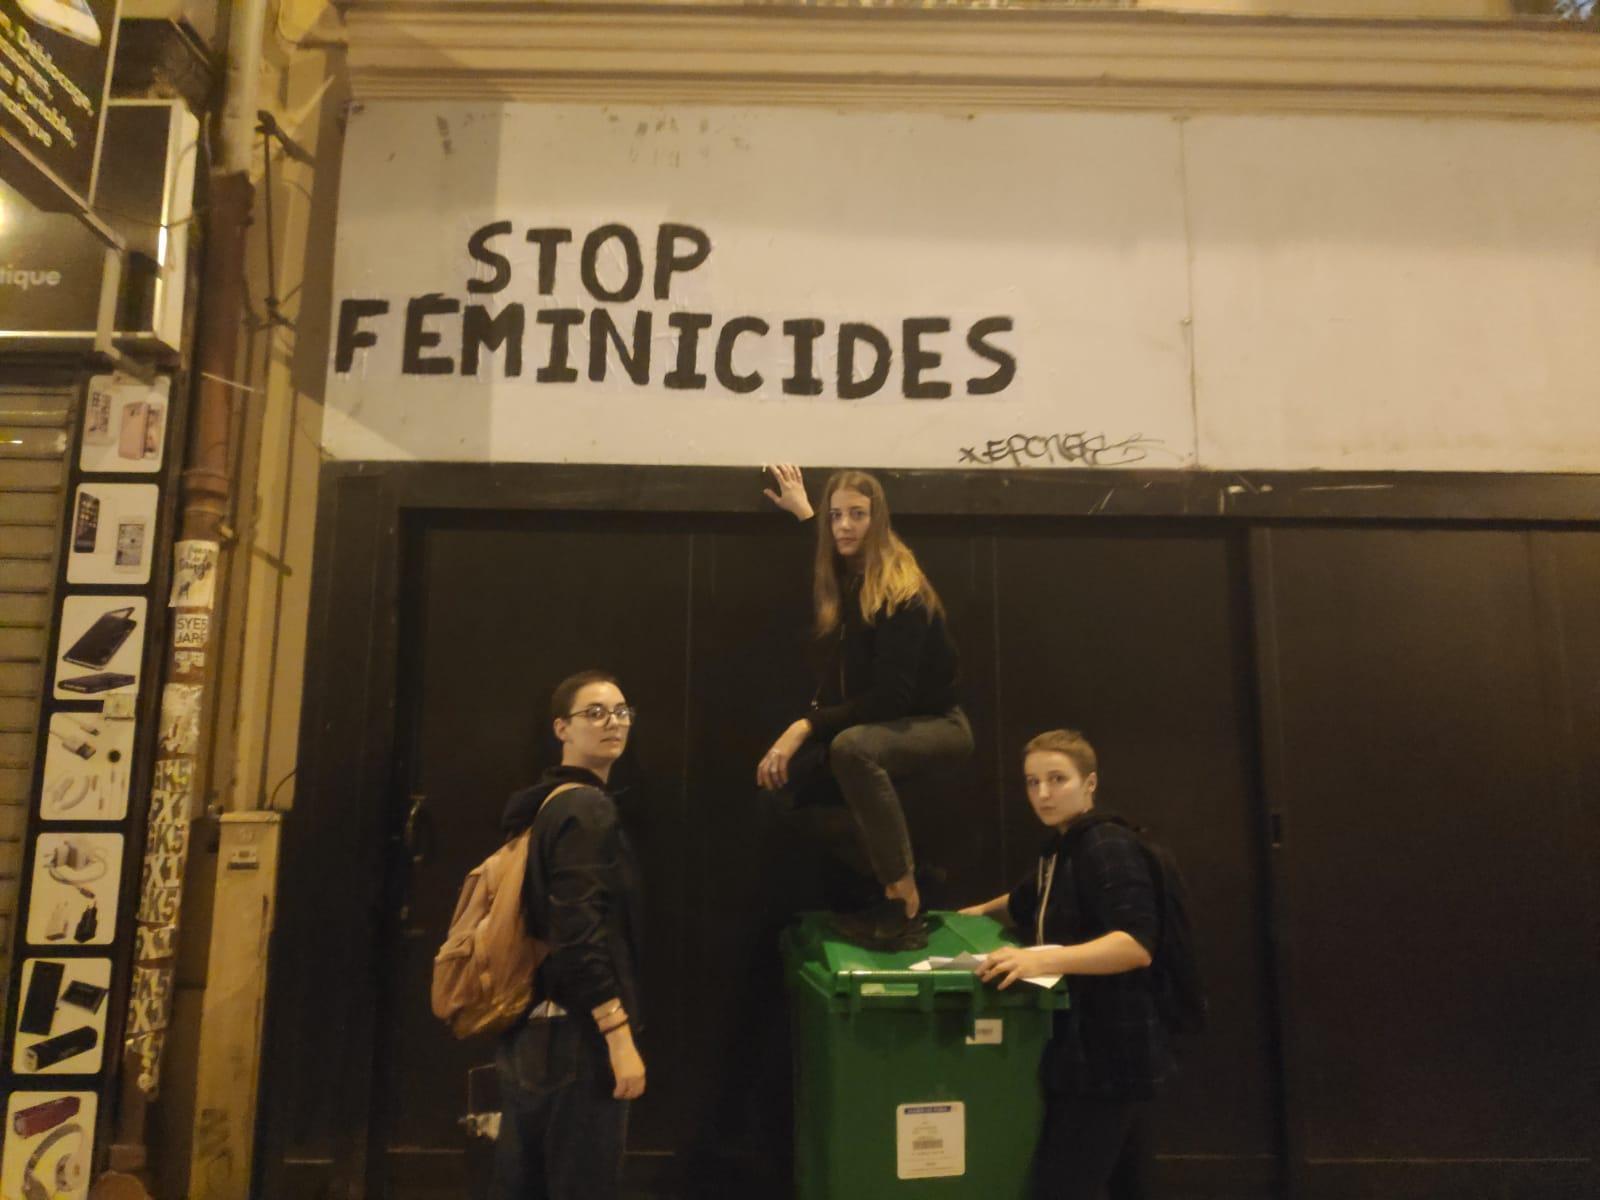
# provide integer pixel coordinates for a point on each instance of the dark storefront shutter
(34, 436)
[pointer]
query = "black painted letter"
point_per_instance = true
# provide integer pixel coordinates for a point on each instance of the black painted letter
(804, 381)
(588, 263)
(478, 248)
(603, 329)
(418, 339)
(851, 332)
(547, 240)
(1005, 369)
(726, 376)
(351, 336)
(667, 261)
(917, 360)
(480, 331)
(558, 368)
(684, 376)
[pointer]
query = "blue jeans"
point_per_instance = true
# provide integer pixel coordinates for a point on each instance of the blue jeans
(561, 1132)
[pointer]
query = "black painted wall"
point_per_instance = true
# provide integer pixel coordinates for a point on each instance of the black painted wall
(1371, 742)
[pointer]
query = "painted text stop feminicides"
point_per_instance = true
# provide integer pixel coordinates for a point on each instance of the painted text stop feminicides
(446, 335)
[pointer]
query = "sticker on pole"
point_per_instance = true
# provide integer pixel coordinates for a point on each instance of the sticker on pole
(931, 1140)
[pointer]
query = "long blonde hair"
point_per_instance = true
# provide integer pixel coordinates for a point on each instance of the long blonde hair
(891, 577)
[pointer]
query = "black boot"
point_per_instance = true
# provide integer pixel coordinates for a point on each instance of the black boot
(884, 926)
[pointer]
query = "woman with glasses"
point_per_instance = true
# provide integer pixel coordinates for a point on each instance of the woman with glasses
(567, 1073)
(886, 703)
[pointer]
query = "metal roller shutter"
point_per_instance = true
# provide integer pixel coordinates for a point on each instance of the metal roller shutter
(35, 431)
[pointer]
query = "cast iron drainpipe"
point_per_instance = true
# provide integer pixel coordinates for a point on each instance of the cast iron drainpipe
(206, 490)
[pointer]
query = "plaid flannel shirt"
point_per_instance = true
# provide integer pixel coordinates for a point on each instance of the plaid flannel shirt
(1111, 1043)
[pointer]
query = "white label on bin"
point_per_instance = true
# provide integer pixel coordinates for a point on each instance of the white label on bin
(986, 1031)
(931, 1140)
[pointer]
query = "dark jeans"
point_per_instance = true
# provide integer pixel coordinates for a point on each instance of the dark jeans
(1092, 1148)
(866, 759)
(561, 1131)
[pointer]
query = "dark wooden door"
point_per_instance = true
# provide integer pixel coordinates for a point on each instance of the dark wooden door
(1138, 638)
(1431, 701)
(500, 611)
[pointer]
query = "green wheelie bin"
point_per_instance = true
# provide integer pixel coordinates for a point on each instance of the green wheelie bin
(912, 1084)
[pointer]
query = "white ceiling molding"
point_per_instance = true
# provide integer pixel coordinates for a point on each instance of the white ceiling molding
(961, 58)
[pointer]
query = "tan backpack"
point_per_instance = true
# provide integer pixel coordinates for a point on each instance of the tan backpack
(483, 974)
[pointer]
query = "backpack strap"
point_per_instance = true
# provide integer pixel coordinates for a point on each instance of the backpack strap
(554, 792)
(548, 799)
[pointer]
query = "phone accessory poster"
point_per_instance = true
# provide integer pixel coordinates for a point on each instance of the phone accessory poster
(87, 767)
(124, 425)
(113, 532)
(100, 646)
(61, 1022)
(76, 877)
(49, 1137)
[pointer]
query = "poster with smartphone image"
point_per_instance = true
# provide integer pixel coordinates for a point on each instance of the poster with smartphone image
(61, 1020)
(99, 647)
(124, 425)
(88, 764)
(73, 899)
(113, 532)
(49, 1141)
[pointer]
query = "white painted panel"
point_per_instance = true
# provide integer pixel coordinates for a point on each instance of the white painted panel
(1396, 294)
(1072, 226)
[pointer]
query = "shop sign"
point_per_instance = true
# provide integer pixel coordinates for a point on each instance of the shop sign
(55, 68)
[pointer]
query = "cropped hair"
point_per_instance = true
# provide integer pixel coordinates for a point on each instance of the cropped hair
(891, 576)
(1065, 741)
(567, 691)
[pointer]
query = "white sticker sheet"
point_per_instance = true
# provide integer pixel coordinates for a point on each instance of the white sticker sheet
(931, 1140)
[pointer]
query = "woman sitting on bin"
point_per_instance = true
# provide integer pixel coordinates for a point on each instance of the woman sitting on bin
(1090, 910)
(885, 707)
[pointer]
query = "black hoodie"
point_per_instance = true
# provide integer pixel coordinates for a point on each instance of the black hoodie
(900, 665)
(581, 893)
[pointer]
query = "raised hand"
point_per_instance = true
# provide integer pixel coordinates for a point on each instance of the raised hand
(791, 493)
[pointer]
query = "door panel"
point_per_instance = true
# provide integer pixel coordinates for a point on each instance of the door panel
(1139, 641)
(705, 621)
(1434, 851)
(502, 612)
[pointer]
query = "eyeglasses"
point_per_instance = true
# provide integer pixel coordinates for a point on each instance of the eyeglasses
(597, 713)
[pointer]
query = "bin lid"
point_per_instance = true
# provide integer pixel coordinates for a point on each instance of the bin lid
(856, 976)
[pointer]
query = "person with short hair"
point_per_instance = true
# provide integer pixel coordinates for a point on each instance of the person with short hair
(568, 1072)
(886, 706)
(1091, 912)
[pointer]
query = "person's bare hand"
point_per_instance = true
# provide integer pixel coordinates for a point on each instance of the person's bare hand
(627, 1068)
(772, 772)
(1009, 964)
(791, 493)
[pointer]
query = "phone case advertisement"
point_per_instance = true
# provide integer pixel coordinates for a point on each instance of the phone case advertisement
(100, 647)
(124, 425)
